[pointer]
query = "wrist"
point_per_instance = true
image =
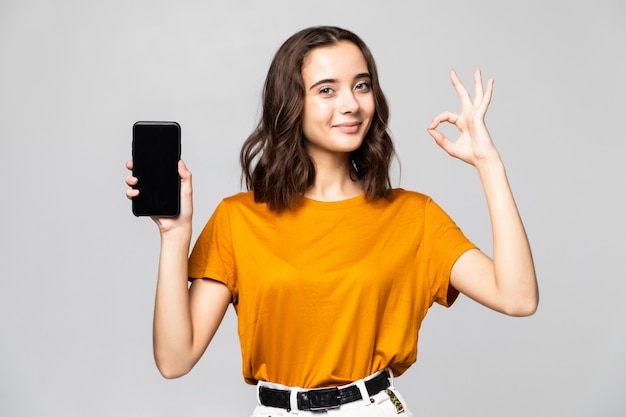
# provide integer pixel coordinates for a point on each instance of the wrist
(488, 166)
(180, 234)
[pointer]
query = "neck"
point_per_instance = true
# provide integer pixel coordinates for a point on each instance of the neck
(333, 181)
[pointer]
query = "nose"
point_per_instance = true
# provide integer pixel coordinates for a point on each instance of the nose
(348, 103)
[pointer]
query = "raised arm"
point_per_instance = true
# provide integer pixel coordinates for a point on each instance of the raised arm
(507, 283)
(185, 318)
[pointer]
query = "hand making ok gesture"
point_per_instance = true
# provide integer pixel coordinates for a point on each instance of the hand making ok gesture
(474, 144)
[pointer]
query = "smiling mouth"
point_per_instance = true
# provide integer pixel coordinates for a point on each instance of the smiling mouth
(349, 127)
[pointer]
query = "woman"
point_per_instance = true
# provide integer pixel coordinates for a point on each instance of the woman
(330, 270)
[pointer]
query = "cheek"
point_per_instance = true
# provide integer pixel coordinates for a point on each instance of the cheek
(311, 120)
(367, 105)
(322, 109)
(368, 108)
(317, 112)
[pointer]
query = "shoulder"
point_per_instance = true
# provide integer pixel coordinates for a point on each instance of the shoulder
(403, 194)
(241, 198)
(403, 206)
(401, 197)
(244, 204)
(413, 204)
(233, 204)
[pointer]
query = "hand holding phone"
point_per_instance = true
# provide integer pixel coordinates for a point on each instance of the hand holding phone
(156, 150)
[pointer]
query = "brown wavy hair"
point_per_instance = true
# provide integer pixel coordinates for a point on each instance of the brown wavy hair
(274, 159)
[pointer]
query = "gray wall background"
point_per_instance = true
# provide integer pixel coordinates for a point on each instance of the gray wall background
(77, 270)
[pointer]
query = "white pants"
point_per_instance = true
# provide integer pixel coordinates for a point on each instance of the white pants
(378, 405)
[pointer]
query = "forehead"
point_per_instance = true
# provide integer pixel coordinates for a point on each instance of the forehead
(343, 59)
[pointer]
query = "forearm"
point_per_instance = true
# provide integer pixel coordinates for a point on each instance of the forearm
(514, 271)
(173, 334)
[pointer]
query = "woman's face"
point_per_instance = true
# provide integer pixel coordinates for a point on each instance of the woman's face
(338, 101)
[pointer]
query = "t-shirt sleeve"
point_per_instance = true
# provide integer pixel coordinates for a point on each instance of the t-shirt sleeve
(444, 244)
(212, 256)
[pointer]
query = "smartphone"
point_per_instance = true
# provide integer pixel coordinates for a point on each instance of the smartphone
(156, 151)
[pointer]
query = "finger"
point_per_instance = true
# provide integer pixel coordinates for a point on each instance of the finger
(129, 164)
(488, 94)
(184, 173)
(440, 139)
(185, 180)
(464, 96)
(130, 180)
(444, 117)
(478, 86)
(132, 193)
(182, 168)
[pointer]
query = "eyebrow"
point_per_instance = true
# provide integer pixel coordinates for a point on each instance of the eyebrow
(332, 80)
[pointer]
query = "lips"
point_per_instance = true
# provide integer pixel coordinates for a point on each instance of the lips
(350, 127)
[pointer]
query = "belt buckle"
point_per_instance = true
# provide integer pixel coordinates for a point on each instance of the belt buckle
(324, 399)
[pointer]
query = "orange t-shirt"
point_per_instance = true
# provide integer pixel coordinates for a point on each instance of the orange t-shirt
(330, 292)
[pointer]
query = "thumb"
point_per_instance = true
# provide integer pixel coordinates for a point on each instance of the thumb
(184, 173)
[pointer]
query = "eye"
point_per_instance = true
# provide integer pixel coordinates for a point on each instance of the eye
(362, 86)
(326, 91)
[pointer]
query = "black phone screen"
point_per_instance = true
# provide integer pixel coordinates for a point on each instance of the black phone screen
(156, 152)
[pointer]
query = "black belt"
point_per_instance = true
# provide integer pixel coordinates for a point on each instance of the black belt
(323, 398)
